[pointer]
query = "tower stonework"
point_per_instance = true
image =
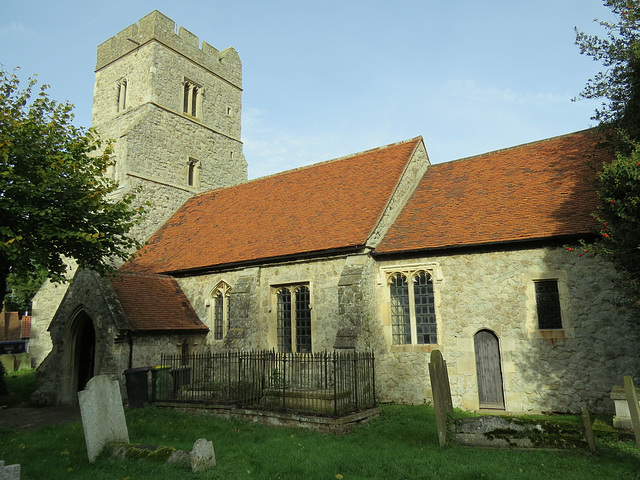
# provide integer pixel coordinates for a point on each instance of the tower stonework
(173, 109)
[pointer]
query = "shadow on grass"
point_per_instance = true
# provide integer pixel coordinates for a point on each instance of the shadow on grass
(21, 385)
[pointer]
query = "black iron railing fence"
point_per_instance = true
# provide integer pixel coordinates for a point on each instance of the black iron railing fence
(313, 383)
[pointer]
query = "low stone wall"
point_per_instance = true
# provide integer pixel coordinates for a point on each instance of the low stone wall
(338, 425)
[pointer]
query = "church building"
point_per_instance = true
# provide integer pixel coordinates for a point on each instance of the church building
(379, 250)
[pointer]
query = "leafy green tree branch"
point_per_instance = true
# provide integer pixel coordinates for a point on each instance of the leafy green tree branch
(55, 199)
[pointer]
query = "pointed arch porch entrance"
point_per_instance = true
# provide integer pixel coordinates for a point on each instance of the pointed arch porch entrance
(80, 355)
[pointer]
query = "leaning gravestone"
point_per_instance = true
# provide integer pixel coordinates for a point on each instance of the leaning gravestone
(102, 415)
(588, 430)
(9, 362)
(441, 395)
(23, 361)
(634, 409)
(9, 472)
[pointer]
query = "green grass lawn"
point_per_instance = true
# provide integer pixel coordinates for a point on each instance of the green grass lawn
(401, 444)
(21, 385)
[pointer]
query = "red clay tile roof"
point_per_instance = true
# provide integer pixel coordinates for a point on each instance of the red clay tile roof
(9, 326)
(532, 191)
(155, 303)
(330, 205)
(26, 327)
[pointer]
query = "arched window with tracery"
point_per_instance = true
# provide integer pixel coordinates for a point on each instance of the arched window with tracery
(413, 312)
(220, 310)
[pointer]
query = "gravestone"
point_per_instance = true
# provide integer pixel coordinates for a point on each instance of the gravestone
(441, 390)
(22, 361)
(588, 430)
(102, 415)
(634, 408)
(9, 472)
(9, 362)
(202, 456)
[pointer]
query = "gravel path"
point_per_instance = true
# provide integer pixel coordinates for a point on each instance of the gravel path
(22, 418)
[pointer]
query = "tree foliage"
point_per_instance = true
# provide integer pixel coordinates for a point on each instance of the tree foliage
(619, 52)
(618, 183)
(21, 289)
(55, 200)
(618, 187)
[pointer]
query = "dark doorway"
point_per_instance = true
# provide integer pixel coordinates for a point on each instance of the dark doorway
(488, 369)
(85, 351)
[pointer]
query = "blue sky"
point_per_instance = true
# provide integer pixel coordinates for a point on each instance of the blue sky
(327, 79)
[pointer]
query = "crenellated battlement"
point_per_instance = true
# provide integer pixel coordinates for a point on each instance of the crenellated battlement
(158, 27)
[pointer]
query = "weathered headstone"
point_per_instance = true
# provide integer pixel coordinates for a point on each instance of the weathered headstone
(9, 362)
(441, 390)
(22, 361)
(9, 472)
(202, 456)
(588, 430)
(102, 415)
(634, 408)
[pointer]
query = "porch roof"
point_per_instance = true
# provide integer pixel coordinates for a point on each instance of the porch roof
(155, 303)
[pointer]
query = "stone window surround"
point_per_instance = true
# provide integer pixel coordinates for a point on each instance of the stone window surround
(384, 277)
(192, 107)
(192, 172)
(121, 95)
(272, 336)
(553, 335)
(223, 288)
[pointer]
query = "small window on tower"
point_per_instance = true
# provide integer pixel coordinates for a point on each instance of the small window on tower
(193, 172)
(192, 99)
(122, 94)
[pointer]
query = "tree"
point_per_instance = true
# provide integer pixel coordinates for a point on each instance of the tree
(619, 52)
(618, 240)
(55, 200)
(21, 289)
(618, 183)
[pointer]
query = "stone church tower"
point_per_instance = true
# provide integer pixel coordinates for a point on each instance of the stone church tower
(173, 109)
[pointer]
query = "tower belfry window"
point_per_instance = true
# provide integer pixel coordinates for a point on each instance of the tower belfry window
(192, 98)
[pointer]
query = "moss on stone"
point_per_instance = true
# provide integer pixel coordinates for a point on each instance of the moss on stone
(140, 451)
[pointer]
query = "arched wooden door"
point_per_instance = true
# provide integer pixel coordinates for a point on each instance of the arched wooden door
(489, 370)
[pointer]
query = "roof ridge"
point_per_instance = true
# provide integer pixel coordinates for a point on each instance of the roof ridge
(306, 167)
(514, 147)
(135, 273)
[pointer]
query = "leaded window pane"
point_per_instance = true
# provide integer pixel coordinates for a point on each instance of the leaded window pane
(400, 315)
(194, 98)
(228, 298)
(548, 305)
(303, 320)
(284, 320)
(424, 300)
(185, 106)
(218, 318)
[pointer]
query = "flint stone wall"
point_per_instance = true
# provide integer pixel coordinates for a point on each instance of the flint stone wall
(253, 307)
(494, 290)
